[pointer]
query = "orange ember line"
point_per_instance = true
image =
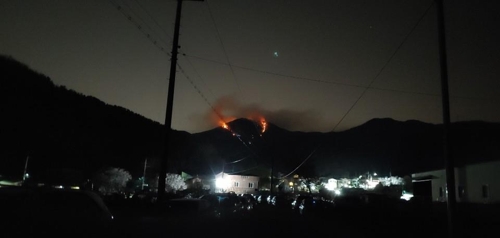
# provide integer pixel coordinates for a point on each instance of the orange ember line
(224, 125)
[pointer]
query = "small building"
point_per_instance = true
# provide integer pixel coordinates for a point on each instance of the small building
(474, 183)
(238, 183)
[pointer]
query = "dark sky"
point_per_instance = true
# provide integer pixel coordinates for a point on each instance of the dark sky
(301, 64)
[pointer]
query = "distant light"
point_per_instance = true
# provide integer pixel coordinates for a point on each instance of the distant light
(372, 184)
(221, 183)
(374, 174)
(313, 187)
(75, 187)
(60, 187)
(291, 184)
(331, 185)
(275, 54)
(337, 192)
(407, 196)
(27, 175)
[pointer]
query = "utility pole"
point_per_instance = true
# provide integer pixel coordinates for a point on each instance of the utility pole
(272, 172)
(449, 163)
(25, 168)
(170, 103)
(144, 173)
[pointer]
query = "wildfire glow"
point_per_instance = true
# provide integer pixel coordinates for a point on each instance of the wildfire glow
(263, 125)
(224, 125)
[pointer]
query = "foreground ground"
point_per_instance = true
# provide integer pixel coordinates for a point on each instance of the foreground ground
(268, 221)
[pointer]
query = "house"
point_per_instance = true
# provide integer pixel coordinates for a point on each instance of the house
(474, 183)
(238, 183)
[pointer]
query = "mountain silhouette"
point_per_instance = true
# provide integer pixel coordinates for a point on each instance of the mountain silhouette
(59, 128)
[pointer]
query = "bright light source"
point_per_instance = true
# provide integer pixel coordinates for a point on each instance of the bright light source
(75, 187)
(372, 184)
(374, 174)
(407, 196)
(221, 183)
(27, 175)
(291, 184)
(337, 192)
(313, 187)
(331, 185)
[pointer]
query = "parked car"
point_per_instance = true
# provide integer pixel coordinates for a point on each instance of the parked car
(190, 208)
(315, 206)
(298, 201)
(281, 201)
(250, 199)
(263, 198)
(224, 204)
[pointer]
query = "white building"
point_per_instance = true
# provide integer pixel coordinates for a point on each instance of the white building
(238, 183)
(475, 183)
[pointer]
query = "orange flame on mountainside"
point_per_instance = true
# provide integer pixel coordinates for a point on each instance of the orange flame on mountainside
(263, 125)
(224, 125)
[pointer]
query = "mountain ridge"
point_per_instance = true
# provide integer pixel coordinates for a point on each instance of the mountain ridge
(61, 128)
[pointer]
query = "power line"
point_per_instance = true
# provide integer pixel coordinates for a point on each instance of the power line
(152, 18)
(223, 48)
(139, 27)
(237, 161)
(275, 74)
(385, 65)
(201, 78)
(144, 22)
(366, 88)
(332, 82)
(213, 108)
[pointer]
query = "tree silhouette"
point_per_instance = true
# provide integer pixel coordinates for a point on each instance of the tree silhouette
(112, 180)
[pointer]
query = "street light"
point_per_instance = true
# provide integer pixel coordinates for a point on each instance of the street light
(222, 183)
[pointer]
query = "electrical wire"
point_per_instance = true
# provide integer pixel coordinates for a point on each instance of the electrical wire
(223, 47)
(145, 23)
(365, 89)
(332, 82)
(197, 89)
(152, 18)
(139, 26)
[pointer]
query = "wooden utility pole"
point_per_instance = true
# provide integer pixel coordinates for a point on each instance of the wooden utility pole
(449, 163)
(170, 102)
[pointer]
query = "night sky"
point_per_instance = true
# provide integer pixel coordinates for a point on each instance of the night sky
(300, 64)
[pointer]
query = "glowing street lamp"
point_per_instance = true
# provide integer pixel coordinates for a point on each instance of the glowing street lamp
(222, 183)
